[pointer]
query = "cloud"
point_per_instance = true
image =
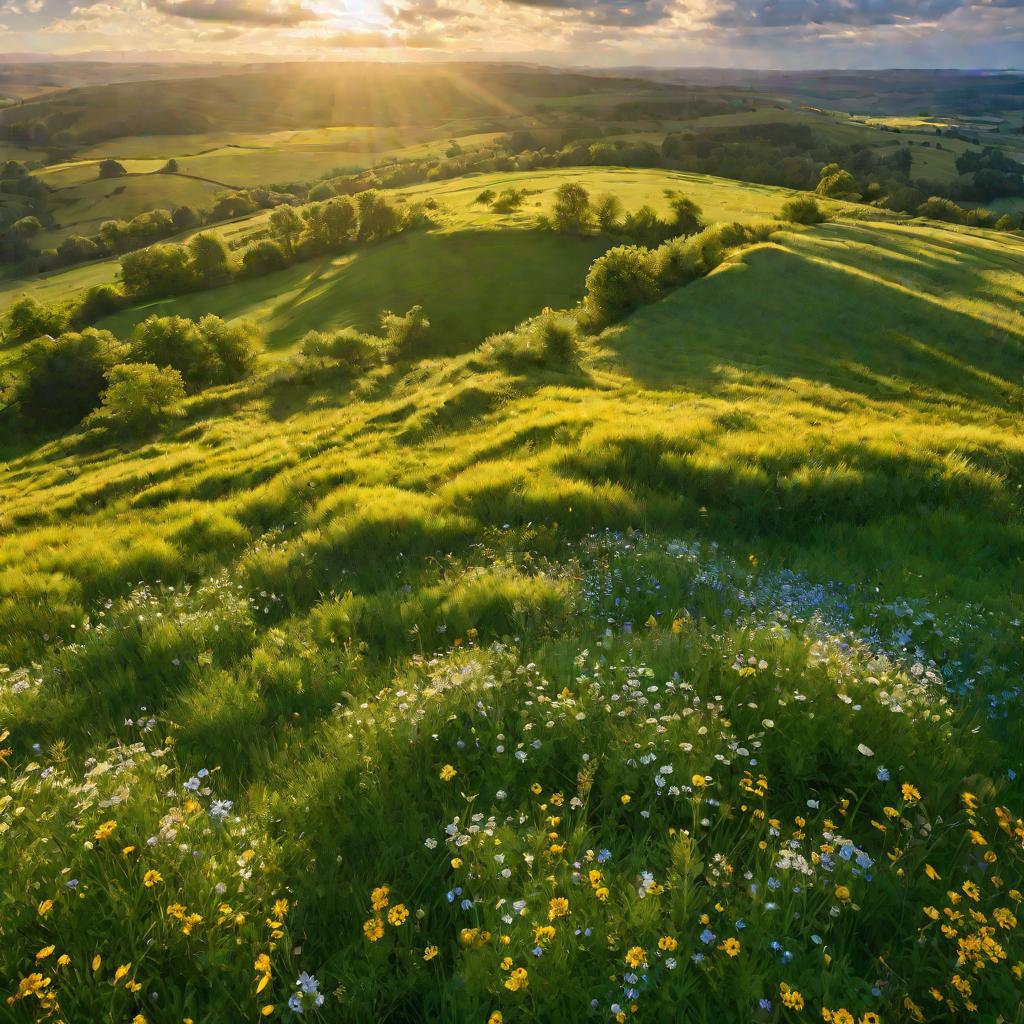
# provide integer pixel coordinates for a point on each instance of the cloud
(627, 13)
(788, 13)
(358, 39)
(262, 13)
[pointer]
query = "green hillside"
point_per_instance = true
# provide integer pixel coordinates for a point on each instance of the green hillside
(497, 656)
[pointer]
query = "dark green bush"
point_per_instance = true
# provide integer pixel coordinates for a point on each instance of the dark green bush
(802, 210)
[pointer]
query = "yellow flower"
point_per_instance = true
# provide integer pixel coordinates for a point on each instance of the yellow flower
(535, 789)
(373, 929)
(625, 798)
(96, 961)
(971, 891)
(519, 978)
(430, 952)
(558, 907)
(495, 1018)
(698, 781)
(106, 830)
(280, 908)
(668, 944)
(127, 850)
(870, 1018)
(398, 915)
(379, 897)
(932, 873)
(44, 908)
(138, 1019)
(456, 863)
(45, 952)
(601, 892)
(152, 877)
(842, 893)
(543, 933)
(636, 956)
(63, 960)
(121, 972)
(448, 772)
(731, 947)
(262, 964)
(267, 1010)
(911, 794)
(790, 997)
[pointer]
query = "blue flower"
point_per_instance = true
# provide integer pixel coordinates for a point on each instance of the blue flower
(883, 775)
(765, 1004)
(307, 983)
(295, 1003)
(707, 936)
(604, 856)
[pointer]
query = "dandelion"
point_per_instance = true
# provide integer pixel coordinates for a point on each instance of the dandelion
(698, 781)
(430, 952)
(495, 1018)
(45, 952)
(932, 873)
(379, 897)
(668, 944)
(731, 947)
(911, 794)
(373, 929)
(842, 893)
(44, 908)
(151, 878)
(447, 773)
(398, 915)
(266, 1011)
(121, 972)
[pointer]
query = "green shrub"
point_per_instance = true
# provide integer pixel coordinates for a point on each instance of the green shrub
(234, 345)
(802, 210)
(403, 333)
(28, 319)
(509, 200)
(572, 212)
(210, 259)
(347, 350)
(619, 281)
(608, 211)
(139, 396)
(940, 208)
(264, 257)
(62, 378)
(99, 301)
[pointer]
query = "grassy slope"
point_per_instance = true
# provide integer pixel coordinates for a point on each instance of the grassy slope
(844, 401)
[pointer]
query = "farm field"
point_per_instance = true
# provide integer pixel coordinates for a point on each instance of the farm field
(493, 588)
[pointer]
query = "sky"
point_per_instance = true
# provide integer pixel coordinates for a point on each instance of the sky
(785, 34)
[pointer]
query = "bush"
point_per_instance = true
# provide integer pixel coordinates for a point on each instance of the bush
(139, 396)
(111, 169)
(157, 271)
(234, 346)
(62, 378)
(210, 352)
(802, 210)
(403, 333)
(348, 350)
(686, 215)
(940, 208)
(1006, 223)
(619, 281)
(548, 339)
(28, 319)
(210, 259)
(608, 211)
(264, 257)
(99, 301)
(509, 200)
(485, 197)
(645, 227)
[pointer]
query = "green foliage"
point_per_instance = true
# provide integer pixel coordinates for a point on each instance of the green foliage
(263, 257)
(208, 352)
(28, 319)
(159, 270)
(508, 200)
(802, 210)
(347, 350)
(572, 212)
(608, 212)
(836, 183)
(61, 378)
(622, 279)
(139, 397)
(210, 259)
(404, 333)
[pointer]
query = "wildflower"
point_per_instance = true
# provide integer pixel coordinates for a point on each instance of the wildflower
(842, 893)
(96, 961)
(932, 873)
(790, 997)
(63, 960)
(870, 1018)
(45, 952)
(398, 915)
(536, 789)
(698, 781)
(121, 972)
(151, 878)
(429, 953)
(707, 936)
(266, 1011)
(625, 799)
(280, 908)
(373, 929)
(883, 775)
(495, 1018)
(636, 957)
(448, 772)
(456, 863)
(558, 907)
(106, 830)
(379, 897)
(519, 978)
(668, 944)
(44, 908)
(911, 794)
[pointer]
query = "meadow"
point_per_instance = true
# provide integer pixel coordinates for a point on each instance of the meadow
(549, 666)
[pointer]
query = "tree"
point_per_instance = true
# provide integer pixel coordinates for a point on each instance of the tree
(139, 396)
(572, 211)
(339, 220)
(835, 183)
(111, 169)
(286, 225)
(27, 228)
(645, 226)
(77, 249)
(177, 342)
(686, 214)
(158, 270)
(171, 167)
(1006, 223)
(608, 211)
(377, 218)
(940, 208)
(98, 301)
(63, 377)
(184, 217)
(211, 261)
(233, 344)
(619, 281)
